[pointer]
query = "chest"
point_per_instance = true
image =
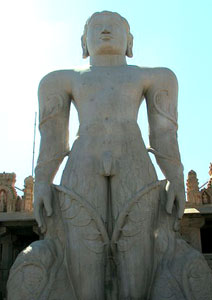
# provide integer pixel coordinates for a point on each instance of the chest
(106, 85)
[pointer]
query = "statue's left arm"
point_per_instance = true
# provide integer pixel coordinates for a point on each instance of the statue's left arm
(161, 97)
(54, 106)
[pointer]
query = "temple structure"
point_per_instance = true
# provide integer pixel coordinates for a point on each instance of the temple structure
(18, 227)
(10, 202)
(196, 225)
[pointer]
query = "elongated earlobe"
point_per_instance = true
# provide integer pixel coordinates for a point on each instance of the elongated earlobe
(85, 52)
(129, 52)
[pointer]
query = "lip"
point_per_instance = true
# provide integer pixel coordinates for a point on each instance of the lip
(106, 37)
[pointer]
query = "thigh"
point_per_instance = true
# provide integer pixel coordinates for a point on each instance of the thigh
(82, 175)
(83, 210)
(135, 248)
(135, 245)
(133, 174)
(85, 256)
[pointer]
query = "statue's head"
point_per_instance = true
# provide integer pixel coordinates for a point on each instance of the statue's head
(107, 33)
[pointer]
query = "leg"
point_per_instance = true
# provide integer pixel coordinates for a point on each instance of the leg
(85, 255)
(135, 245)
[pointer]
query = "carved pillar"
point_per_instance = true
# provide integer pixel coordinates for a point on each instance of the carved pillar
(190, 230)
(206, 193)
(209, 185)
(28, 194)
(193, 194)
(8, 193)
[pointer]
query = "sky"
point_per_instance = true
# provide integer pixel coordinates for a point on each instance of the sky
(39, 36)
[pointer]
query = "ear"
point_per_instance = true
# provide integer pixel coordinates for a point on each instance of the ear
(129, 52)
(85, 52)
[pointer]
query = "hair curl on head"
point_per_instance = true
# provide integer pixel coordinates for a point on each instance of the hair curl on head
(129, 52)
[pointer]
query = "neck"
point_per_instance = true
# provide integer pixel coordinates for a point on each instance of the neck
(108, 60)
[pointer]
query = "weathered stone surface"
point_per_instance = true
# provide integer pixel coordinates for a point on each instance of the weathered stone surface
(10, 202)
(191, 231)
(210, 173)
(206, 193)
(110, 226)
(196, 196)
(28, 194)
(8, 195)
(193, 193)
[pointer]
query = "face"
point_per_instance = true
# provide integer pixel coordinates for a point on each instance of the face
(106, 35)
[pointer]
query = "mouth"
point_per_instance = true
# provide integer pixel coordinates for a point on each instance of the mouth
(106, 37)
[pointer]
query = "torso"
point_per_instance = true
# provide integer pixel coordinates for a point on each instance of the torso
(108, 94)
(107, 100)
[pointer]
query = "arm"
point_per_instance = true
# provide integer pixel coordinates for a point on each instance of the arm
(54, 106)
(161, 99)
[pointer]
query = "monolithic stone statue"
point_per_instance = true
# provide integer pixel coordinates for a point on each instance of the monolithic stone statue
(110, 226)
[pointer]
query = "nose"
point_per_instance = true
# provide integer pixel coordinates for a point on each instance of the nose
(106, 31)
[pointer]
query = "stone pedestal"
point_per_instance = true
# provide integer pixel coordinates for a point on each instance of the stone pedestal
(190, 229)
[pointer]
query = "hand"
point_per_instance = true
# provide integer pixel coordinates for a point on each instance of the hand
(42, 198)
(175, 194)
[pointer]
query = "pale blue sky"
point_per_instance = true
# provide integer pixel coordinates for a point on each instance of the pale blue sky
(39, 36)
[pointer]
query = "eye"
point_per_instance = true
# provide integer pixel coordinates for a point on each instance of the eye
(97, 26)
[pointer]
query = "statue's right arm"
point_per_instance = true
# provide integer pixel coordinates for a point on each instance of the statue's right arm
(54, 107)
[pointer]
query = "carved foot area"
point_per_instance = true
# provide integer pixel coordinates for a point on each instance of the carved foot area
(29, 276)
(199, 279)
(181, 272)
(188, 278)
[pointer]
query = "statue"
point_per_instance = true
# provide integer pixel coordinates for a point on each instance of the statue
(110, 226)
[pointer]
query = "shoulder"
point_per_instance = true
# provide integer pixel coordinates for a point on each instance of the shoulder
(159, 78)
(153, 72)
(162, 85)
(56, 75)
(143, 74)
(140, 71)
(163, 75)
(60, 79)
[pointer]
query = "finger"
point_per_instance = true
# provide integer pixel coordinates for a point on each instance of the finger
(38, 214)
(170, 201)
(43, 228)
(176, 225)
(181, 206)
(39, 217)
(48, 206)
